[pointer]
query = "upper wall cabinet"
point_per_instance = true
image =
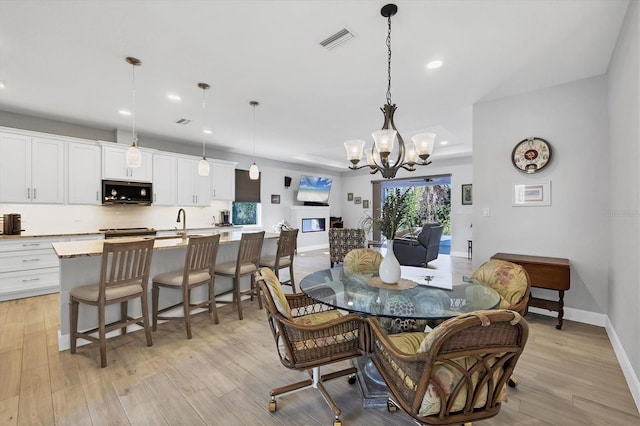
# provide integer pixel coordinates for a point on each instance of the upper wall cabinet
(114, 164)
(193, 189)
(223, 180)
(84, 179)
(31, 169)
(165, 182)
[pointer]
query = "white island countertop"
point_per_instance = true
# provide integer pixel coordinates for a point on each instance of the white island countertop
(70, 249)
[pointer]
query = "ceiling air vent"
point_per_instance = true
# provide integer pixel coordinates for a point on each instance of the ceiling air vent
(337, 39)
(183, 121)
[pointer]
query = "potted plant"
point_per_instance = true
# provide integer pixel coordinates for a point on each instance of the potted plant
(396, 212)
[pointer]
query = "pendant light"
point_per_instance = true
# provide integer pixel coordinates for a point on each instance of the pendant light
(379, 156)
(203, 164)
(134, 157)
(254, 172)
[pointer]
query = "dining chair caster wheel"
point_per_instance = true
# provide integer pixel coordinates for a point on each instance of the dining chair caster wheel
(391, 407)
(352, 379)
(273, 406)
(513, 382)
(337, 422)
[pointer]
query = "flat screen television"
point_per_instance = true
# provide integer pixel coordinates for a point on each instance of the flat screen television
(314, 190)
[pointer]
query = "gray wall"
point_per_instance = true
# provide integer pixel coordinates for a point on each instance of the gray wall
(623, 201)
(573, 118)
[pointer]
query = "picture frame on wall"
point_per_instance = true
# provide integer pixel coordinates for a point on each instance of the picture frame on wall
(532, 194)
(275, 198)
(467, 194)
(365, 204)
(357, 200)
(350, 196)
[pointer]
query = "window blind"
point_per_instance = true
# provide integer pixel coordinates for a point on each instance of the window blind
(247, 190)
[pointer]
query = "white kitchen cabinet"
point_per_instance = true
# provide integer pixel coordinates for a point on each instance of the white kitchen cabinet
(84, 178)
(223, 180)
(114, 165)
(31, 169)
(30, 267)
(165, 180)
(193, 189)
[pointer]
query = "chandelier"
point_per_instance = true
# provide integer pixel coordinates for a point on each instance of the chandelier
(379, 156)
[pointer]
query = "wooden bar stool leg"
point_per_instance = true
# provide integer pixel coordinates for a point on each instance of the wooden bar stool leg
(236, 295)
(102, 335)
(73, 323)
(124, 312)
(186, 308)
(155, 293)
(145, 318)
(212, 301)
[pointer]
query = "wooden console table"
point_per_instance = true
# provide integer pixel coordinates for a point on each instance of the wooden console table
(551, 273)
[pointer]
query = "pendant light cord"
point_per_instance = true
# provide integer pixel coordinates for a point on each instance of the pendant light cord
(133, 112)
(203, 118)
(389, 62)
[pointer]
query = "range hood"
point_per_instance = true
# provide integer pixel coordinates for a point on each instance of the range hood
(121, 192)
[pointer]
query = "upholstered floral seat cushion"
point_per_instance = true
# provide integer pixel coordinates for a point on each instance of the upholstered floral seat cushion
(362, 261)
(275, 290)
(446, 375)
(508, 279)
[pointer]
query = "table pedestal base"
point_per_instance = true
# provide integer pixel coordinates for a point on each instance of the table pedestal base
(373, 388)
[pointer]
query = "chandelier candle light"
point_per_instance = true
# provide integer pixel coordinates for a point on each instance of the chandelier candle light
(254, 172)
(378, 157)
(134, 157)
(203, 164)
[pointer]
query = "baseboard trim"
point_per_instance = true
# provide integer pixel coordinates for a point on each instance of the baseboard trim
(627, 369)
(459, 254)
(316, 247)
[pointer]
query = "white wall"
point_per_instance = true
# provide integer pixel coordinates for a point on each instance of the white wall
(624, 196)
(359, 183)
(573, 118)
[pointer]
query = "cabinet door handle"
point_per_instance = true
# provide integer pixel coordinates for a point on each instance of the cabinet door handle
(34, 193)
(97, 197)
(31, 260)
(31, 279)
(28, 193)
(155, 197)
(30, 244)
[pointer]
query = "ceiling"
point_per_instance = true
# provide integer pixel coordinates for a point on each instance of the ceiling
(65, 60)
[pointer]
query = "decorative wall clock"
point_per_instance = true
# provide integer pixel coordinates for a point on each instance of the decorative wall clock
(531, 155)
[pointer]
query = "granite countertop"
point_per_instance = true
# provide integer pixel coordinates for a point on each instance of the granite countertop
(26, 234)
(71, 249)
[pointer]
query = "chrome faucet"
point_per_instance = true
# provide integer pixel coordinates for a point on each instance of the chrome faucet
(184, 221)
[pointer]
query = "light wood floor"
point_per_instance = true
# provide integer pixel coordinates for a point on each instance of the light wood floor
(223, 375)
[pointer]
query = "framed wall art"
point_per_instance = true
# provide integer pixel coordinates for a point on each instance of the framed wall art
(365, 204)
(532, 194)
(357, 200)
(350, 196)
(467, 194)
(275, 199)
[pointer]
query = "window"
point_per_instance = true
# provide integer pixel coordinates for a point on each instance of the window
(245, 213)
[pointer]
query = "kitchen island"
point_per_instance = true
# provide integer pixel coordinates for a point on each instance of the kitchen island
(80, 265)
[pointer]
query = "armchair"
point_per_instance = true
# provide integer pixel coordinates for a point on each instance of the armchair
(458, 372)
(421, 249)
(342, 241)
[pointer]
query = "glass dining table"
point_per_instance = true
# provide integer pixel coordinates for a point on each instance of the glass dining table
(423, 297)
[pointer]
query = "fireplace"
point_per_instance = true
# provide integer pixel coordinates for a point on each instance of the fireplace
(317, 224)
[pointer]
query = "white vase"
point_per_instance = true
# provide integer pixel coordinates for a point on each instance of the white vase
(389, 270)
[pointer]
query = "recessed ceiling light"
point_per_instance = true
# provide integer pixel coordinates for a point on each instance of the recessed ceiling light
(444, 142)
(173, 97)
(2, 86)
(124, 112)
(207, 131)
(434, 64)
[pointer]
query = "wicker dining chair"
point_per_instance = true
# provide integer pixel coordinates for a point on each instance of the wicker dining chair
(124, 274)
(309, 335)
(287, 243)
(513, 284)
(455, 374)
(197, 271)
(246, 264)
(362, 261)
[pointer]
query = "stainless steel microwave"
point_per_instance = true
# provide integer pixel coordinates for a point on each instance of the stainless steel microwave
(120, 192)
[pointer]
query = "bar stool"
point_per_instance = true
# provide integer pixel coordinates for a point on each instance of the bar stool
(247, 263)
(287, 244)
(124, 274)
(198, 271)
